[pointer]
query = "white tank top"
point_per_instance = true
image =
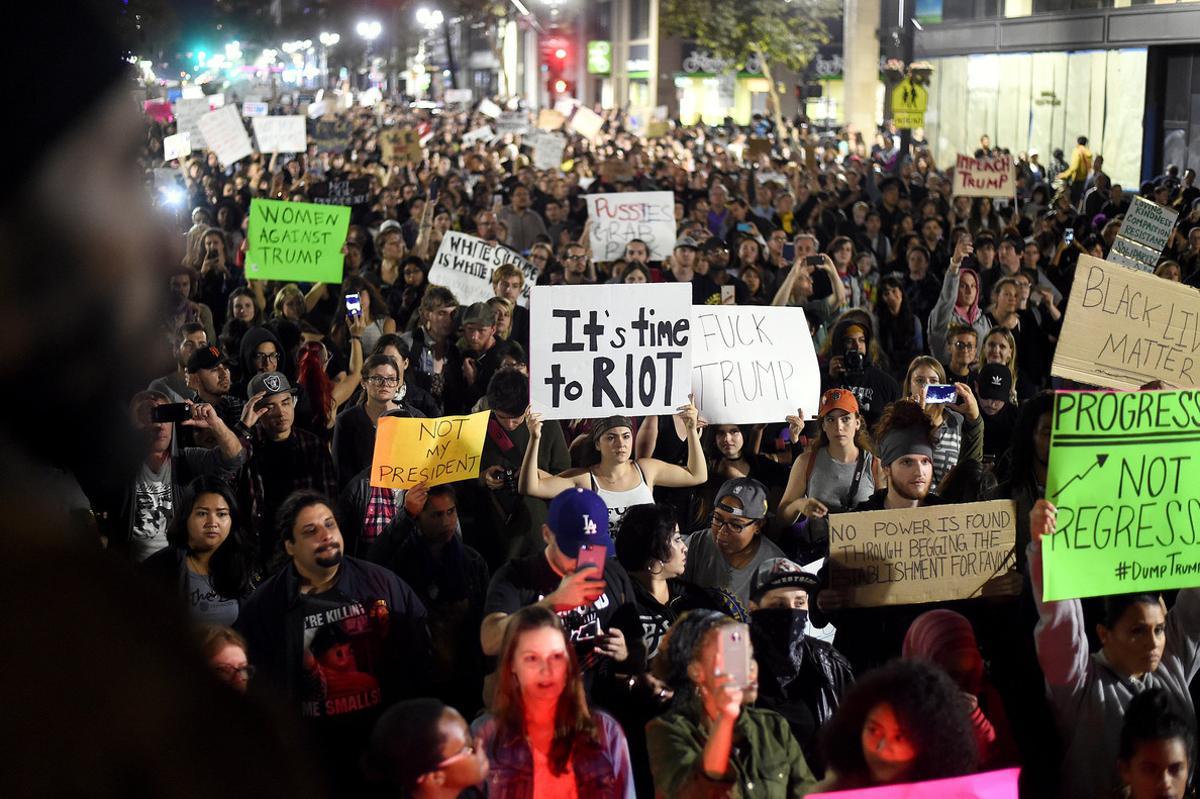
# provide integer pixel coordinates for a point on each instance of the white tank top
(620, 501)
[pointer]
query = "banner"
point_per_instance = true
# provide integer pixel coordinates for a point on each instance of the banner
(280, 134)
(430, 451)
(1123, 473)
(400, 144)
(752, 364)
(177, 146)
(254, 109)
(915, 555)
(548, 151)
(225, 135)
(464, 264)
(985, 177)
(1123, 329)
(298, 242)
(1144, 233)
(596, 351)
(986, 785)
(187, 118)
(617, 218)
(341, 192)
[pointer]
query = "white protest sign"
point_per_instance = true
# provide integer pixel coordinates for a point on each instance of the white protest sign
(600, 350)
(177, 146)
(464, 264)
(254, 109)
(752, 364)
(548, 151)
(317, 110)
(187, 118)
(489, 109)
(586, 122)
(225, 134)
(280, 134)
(514, 122)
(369, 98)
(192, 92)
(617, 218)
(479, 134)
(216, 100)
(1143, 235)
(458, 96)
(985, 177)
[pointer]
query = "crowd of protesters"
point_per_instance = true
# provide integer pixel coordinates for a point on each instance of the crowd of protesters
(456, 640)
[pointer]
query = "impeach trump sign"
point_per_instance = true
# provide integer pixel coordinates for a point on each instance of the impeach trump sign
(985, 177)
(296, 241)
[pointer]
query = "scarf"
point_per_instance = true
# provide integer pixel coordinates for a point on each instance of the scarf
(971, 312)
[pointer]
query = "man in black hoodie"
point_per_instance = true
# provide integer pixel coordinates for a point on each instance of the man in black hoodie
(260, 352)
(851, 367)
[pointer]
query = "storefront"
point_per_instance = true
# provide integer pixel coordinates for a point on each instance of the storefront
(708, 89)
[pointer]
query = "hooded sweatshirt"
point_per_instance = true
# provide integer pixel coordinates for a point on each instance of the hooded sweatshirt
(872, 387)
(946, 313)
(254, 336)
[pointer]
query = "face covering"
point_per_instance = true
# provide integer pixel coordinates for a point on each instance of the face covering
(780, 631)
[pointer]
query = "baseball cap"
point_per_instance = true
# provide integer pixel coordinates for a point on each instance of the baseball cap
(838, 399)
(1033, 151)
(269, 382)
(389, 224)
(578, 516)
(995, 382)
(780, 573)
(752, 494)
(686, 241)
(206, 358)
(479, 313)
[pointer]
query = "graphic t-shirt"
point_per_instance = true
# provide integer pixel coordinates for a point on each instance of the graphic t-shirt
(153, 498)
(343, 661)
(206, 605)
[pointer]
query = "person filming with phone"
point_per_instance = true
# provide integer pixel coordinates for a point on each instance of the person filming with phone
(852, 365)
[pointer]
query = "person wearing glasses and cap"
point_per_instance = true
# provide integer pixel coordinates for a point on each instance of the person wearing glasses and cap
(727, 554)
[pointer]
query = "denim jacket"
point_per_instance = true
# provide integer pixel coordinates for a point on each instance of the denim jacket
(602, 769)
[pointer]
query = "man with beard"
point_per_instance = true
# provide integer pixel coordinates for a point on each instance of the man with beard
(799, 677)
(905, 436)
(340, 637)
(208, 376)
(190, 337)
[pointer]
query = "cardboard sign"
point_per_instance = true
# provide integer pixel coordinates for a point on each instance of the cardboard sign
(1123, 473)
(464, 264)
(550, 119)
(757, 148)
(341, 192)
(586, 122)
(931, 554)
(752, 364)
(618, 218)
(187, 119)
(225, 135)
(299, 242)
(511, 122)
(985, 177)
(1123, 329)
(280, 134)
(479, 134)
(600, 350)
(400, 143)
(986, 785)
(1144, 233)
(254, 109)
(177, 146)
(548, 151)
(618, 170)
(430, 451)
(331, 134)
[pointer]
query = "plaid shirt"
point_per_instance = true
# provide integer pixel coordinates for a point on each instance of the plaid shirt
(311, 468)
(381, 509)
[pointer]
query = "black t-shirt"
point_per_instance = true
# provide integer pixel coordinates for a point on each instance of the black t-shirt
(277, 467)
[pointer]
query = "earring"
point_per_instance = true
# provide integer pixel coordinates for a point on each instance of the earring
(661, 566)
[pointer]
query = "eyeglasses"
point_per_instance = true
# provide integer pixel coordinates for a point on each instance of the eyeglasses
(728, 524)
(376, 380)
(572, 258)
(232, 672)
(468, 749)
(264, 357)
(963, 345)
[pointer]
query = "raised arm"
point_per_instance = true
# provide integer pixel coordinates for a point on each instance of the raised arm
(1059, 636)
(533, 482)
(661, 473)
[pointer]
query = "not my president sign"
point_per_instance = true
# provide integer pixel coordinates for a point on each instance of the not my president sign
(1123, 471)
(596, 351)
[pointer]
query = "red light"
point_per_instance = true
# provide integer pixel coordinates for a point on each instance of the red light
(560, 53)
(560, 86)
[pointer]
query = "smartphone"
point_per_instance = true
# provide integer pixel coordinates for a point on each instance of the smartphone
(789, 252)
(1069, 236)
(727, 294)
(435, 186)
(171, 412)
(814, 260)
(733, 653)
(940, 393)
(353, 305)
(592, 556)
(744, 227)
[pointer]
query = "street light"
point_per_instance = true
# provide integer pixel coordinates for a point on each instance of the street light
(429, 20)
(369, 30)
(329, 39)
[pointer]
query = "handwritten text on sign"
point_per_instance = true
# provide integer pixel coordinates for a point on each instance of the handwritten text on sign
(430, 451)
(296, 241)
(1144, 233)
(341, 192)
(985, 177)
(1123, 329)
(225, 134)
(619, 218)
(600, 350)
(931, 554)
(1123, 471)
(464, 264)
(752, 364)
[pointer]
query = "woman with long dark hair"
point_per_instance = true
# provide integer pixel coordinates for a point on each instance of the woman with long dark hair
(542, 739)
(208, 553)
(898, 330)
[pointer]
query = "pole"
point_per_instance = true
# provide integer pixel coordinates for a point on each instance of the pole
(449, 52)
(908, 34)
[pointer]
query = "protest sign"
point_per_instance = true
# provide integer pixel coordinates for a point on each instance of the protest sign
(400, 144)
(317, 110)
(341, 192)
(1124, 328)
(752, 364)
(985, 785)
(177, 146)
(600, 350)
(1123, 470)
(479, 134)
(216, 100)
(514, 122)
(914, 555)
(548, 151)
(1144, 233)
(192, 92)
(430, 451)
(187, 118)
(280, 134)
(586, 122)
(254, 109)
(489, 109)
(464, 264)
(463, 96)
(617, 218)
(550, 119)
(985, 177)
(657, 128)
(296, 241)
(756, 148)
(331, 134)
(158, 110)
(618, 170)
(225, 135)
(369, 98)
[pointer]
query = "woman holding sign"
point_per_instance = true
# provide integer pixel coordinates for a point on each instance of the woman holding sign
(620, 479)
